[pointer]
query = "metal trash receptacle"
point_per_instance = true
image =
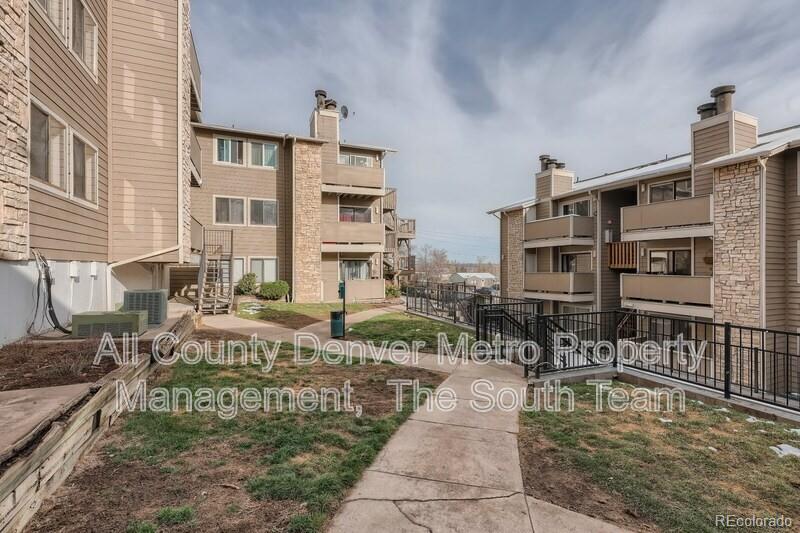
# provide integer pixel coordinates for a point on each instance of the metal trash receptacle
(337, 324)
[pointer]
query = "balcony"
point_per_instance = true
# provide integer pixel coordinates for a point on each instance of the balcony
(685, 295)
(349, 179)
(352, 237)
(622, 256)
(407, 263)
(390, 200)
(196, 160)
(364, 289)
(560, 231)
(197, 89)
(687, 217)
(390, 220)
(406, 228)
(560, 286)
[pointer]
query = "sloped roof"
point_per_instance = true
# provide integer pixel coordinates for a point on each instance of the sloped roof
(770, 144)
(479, 275)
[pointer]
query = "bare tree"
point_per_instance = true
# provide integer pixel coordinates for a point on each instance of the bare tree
(432, 263)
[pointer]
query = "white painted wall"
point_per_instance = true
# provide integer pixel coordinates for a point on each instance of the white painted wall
(71, 294)
(133, 276)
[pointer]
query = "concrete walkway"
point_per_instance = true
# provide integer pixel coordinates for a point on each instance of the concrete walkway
(446, 469)
(457, 469)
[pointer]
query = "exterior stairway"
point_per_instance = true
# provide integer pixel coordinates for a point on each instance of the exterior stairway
(215, 275)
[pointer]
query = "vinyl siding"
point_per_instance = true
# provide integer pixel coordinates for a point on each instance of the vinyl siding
(144, 112)
(703, 256)
(744, 135)
(775, 246)
(609, 206)
(543, 192)
(707, 144)
(562, 183)
(327, 128)
(248, 182)
(60, 228)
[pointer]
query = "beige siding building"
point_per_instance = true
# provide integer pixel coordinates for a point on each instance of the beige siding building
(96, 174)
(710, 234)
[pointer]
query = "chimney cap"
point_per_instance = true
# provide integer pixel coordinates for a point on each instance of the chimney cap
(544, 157)
(561, 165)
(709, 106)
(320, 92)
(723, 89)
(330, 103)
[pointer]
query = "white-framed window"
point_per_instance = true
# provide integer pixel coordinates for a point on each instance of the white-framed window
(83, 35)
(264, 154)
(579, 207)
(354, 269)
(229, 151)
(356, 160)
(83, 158)
(48, 148)
(263, 212)
(355, 213)
(238, 269)
(530, 214)
(265, 268)
(56, 14)
(229, 210)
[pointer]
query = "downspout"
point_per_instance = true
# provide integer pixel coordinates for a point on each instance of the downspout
(112, 266)
(762, 163)
(294, 222)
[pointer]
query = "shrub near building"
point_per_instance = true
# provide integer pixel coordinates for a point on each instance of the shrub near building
(274, 290)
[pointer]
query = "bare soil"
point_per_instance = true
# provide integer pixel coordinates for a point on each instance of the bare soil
(33, 364)
(546, 478)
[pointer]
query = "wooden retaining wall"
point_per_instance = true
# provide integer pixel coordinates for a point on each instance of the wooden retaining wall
(47, 459)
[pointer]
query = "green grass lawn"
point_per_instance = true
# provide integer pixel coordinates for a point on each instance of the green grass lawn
(275, 471)
(296, 316)
(405, 327)
(676, 476)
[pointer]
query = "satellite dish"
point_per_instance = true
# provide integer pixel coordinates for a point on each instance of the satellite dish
(345, 111)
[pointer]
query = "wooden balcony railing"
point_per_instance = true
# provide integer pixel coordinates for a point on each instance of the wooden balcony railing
(354, 176)
(622, 255)
(406, 228)
(676, 213)
(353, 232)
(568, 226)
(695, 290)
(564, 282)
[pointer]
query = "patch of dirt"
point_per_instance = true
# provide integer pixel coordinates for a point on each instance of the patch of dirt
(214, 335)
(33, 364)
(102, 495)
(546, 478)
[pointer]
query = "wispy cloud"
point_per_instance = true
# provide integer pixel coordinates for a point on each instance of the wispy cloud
(472, 92)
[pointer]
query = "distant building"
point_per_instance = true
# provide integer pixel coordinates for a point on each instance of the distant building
(474, 279)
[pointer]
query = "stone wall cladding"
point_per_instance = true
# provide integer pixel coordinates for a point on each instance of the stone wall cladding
(185, 148)
(512, 254)
(737, 235)
(307, 243)
(14, 119)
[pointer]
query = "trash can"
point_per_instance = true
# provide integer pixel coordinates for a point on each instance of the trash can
(337, 324)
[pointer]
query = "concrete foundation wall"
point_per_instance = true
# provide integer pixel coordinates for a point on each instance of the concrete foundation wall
(18, 280)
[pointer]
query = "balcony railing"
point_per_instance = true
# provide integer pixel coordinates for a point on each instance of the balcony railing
(353, 232)
(390, 221)
(364, 289)
(694, 290)
(563, 227)
(197, 160)
(390, 200)
(673, 214)
(197, 236)
(353, 176)
(197, 89)
(563, 282)
(407, 262)
(622, 255)
(406, 228)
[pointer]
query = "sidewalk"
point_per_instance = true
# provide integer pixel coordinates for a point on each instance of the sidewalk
(457, 470)
(444, 470)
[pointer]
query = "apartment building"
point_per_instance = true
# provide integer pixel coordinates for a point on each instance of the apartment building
(399, 264)
(98, 99)
(303, 209)
(711, 234)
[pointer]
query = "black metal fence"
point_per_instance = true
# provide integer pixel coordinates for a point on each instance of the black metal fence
(754, 363)
(450, 302)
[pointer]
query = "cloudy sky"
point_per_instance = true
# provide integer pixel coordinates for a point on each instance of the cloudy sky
(471, 92)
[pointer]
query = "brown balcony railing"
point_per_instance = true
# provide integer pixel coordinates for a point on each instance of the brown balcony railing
(353, 232)
(406, 228)
(695, 290)
(622, 255)
(390, 200)
(672, 214)
(568, 226)
(390, 220)
(197, 89)
(407, 262)
(197, 235)
(563, 282)
(354, 176)
(197, 160)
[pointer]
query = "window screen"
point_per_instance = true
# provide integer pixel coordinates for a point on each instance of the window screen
(355, 214)
(229, 210)
(264, 212)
